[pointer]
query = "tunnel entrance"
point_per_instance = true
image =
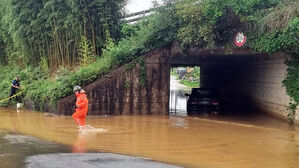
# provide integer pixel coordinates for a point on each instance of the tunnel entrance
(182, 80)
(247, 83)
(228, 81)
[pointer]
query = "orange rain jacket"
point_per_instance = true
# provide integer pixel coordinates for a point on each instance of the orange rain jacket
(81, 111)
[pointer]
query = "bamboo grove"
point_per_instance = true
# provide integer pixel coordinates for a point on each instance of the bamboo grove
(52, 31)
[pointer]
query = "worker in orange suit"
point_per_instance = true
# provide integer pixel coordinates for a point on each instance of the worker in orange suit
(81, 106)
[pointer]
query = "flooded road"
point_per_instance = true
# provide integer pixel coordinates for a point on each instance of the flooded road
(252, 141)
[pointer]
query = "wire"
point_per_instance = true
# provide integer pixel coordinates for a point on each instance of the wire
(11, 96)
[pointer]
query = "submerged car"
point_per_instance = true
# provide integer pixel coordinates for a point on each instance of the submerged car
(202, 99)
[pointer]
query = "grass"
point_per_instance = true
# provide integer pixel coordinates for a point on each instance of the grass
(280, 17)
(191, 84)
(173, 73)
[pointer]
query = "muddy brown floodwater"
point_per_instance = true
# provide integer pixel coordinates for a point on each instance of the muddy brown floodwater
(183, 141)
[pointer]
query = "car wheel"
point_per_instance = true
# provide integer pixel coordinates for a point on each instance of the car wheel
(189, 110)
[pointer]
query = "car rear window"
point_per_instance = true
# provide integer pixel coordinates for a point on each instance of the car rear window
(203, 93)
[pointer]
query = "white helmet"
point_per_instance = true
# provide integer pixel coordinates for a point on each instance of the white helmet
(77, 88)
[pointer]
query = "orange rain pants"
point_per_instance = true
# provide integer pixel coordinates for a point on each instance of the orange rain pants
(81, 112)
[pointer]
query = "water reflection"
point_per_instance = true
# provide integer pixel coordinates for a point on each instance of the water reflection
(178, 122)
(178, 102)
(177, 98)
(80, 144)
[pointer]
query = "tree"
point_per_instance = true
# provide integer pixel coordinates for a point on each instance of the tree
(53, 29)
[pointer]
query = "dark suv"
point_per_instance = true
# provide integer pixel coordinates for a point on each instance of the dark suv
(201, 99)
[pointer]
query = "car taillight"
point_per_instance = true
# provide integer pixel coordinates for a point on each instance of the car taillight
(194, 102)
(215, 102)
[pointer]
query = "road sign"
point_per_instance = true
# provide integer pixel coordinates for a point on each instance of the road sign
(240, 39)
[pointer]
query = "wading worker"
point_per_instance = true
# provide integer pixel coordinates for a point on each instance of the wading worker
(81, 106)
(15, 85)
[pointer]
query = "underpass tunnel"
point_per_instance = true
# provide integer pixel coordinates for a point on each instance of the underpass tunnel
(230, 76)
(246, 83)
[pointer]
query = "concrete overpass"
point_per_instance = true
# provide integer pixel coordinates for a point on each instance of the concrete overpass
(240, 75)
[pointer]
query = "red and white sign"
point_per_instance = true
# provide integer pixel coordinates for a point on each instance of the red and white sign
(240, 39)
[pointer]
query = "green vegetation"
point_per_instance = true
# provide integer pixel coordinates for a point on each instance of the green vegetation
(54, 29)
(173, 73)
(51, 44)
(47, 85)
(190, 84)
(55, 45)
(190, 79)
(291, 82)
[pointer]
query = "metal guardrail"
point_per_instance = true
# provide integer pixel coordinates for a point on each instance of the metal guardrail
(138, 15)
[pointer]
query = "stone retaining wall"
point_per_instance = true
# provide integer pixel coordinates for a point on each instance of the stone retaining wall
(119, 92)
